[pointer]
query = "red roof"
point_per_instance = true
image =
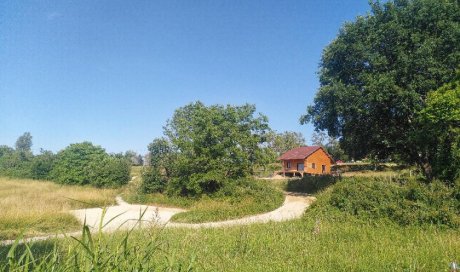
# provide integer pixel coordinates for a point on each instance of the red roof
(299, 153)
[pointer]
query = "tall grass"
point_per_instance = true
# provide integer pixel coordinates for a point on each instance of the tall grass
(325, 239)
(40, 207)
(93, 252)
(315, 243)
(236, 200)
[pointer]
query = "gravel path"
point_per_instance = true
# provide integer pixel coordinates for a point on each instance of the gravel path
(125, 216)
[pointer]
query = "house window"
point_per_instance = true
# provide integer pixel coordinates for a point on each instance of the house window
(313, 166)
(323, 168)
(300, 167)
(288, 164)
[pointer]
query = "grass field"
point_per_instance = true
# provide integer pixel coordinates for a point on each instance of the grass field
(247, 198)
(136, 171)
(39, 207)
(323, 240)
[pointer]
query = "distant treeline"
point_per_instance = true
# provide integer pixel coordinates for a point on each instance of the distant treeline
(79, 164)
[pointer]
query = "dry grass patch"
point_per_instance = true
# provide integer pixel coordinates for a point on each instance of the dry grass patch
(40, 207)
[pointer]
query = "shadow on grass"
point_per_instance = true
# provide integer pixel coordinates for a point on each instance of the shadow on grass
(309, 184)
(39, 249)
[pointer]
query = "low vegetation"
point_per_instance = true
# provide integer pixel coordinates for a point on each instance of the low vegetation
(247, 197)
(234, 200)
(40, 207)
(405, 202)
(327, 238)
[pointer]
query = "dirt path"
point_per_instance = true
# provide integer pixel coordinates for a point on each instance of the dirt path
(125, 216)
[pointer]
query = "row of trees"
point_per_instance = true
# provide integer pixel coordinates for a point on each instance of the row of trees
(389, 89)
(80, 164)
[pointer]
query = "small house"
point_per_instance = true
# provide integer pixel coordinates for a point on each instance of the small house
(313, 160)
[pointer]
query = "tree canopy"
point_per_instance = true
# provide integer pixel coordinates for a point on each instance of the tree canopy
(376, 75)
(24, 142)
(87, 164)
(439, 133)
(206, 146)
(284, 141)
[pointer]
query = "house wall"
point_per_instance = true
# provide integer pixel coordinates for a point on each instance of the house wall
(293, 165)
(319, 157)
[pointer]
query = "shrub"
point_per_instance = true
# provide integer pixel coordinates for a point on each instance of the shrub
(84, 163)
(42, 165)
(111, 172)
(152, 182)
(412, 203)
(16, 164)
(309, 184)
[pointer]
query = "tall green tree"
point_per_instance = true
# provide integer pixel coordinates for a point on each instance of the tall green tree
(438, 137)
(284, 141)
(376, 75)
(24, 142)
(206, 146)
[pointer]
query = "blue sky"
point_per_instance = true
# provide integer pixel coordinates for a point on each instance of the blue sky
(112, 72)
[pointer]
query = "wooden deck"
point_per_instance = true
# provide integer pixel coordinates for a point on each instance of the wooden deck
(292, 173)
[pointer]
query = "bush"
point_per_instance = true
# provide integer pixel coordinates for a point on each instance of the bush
(152, 182)
(411, 203)
(355, 167)
(42, 165)
(309, 184)
(111, 172)
(234, 199)
(16, 164)
(84, 163)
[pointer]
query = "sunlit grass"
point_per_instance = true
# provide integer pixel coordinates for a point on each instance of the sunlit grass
(136, 171)
(320, 241)
(248, 198)
(40, 207)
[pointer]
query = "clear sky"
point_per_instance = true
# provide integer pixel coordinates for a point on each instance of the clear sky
(112, 72)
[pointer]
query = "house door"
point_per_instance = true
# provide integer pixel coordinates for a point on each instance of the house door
(300, 167)
(323, 168)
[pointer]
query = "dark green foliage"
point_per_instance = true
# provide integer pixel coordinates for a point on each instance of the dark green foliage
(205, 147)
(234, 199)
(5, 150)
(84, 164)
(15, 163)
(439, 132)
(197, 184)
(79, 164)
(152, 181)
(375, 76)
(110, 172)
(407, 203)
(310, 184)
(350, 167)
(42, 165)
